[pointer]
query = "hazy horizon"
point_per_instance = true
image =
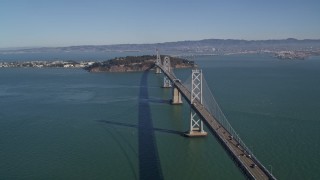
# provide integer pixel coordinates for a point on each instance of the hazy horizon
(146, 43)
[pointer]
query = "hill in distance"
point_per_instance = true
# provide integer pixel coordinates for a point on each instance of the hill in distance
(206, 46)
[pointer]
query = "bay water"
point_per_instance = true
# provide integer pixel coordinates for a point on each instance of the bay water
(71, 124)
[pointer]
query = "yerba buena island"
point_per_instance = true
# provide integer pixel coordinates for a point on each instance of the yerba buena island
(135, 63)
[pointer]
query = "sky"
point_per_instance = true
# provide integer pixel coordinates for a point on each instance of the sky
(50, 23)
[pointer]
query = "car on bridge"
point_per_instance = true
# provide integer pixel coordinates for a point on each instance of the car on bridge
(253, 165)
(177, 80)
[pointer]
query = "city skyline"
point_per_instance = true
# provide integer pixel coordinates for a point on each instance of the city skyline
(65, 23)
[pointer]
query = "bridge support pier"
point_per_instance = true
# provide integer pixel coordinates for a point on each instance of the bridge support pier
(158, 70)
(158, 62)
(176, 96)
(166, 82)
(196, 124)
(167, 68)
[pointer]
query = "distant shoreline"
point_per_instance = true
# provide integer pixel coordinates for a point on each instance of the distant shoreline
(195, 47)
(87, 64)
(121, 64)
(45, 64)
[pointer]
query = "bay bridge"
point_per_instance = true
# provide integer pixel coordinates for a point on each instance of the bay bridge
(205, 110)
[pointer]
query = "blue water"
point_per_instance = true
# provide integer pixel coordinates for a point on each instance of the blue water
(71, 124)
(274, 106)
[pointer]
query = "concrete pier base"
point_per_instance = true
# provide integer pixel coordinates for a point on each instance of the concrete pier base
(158, 70)
(176, 96)
(196, 134)
(167, 86)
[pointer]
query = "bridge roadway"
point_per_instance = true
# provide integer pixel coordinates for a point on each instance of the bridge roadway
(250, 166)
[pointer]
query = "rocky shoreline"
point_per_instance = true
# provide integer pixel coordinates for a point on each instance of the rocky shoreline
(135, 64)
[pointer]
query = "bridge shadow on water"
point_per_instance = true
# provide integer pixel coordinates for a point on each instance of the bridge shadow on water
(136, 126)
(159, 101)
(149, 162)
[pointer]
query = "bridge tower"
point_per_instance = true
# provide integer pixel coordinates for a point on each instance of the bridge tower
(158, 63)
(196, 124)
(167, 68)
(176, 96)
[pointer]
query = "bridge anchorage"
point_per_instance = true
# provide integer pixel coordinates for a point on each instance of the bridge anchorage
(205, 110)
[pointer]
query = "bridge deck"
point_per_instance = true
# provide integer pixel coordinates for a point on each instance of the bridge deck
(251, 167)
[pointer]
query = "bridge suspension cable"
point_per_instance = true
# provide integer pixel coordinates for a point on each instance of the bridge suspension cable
(213, 107)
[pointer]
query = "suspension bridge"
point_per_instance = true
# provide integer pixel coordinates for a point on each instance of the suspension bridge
(205, 110)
